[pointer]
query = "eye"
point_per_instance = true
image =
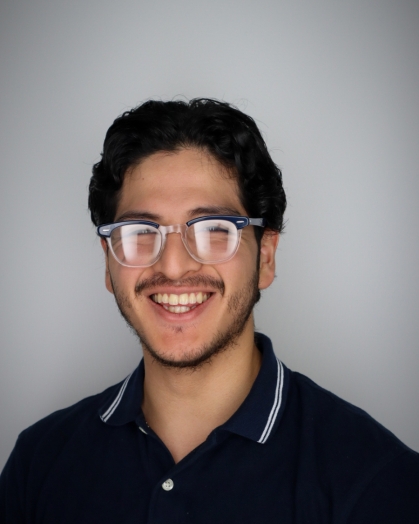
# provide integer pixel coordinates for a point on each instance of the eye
(146, 231)
(213, 226)
(216, 229)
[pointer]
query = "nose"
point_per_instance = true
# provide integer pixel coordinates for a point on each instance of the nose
(175, 261)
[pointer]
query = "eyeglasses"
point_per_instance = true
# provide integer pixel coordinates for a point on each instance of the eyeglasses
(209, 239)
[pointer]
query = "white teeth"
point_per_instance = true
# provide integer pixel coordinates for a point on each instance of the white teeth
(178, 309)
(184, 298)
(180, 303)
(173, 299)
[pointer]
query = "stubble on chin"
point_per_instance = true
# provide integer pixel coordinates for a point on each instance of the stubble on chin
(240, 305)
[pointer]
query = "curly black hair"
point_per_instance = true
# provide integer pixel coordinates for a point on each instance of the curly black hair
(219, 128)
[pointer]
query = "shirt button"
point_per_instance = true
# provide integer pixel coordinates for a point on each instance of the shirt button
(168, 485)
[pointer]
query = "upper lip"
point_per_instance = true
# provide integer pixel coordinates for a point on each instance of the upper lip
(179, 291)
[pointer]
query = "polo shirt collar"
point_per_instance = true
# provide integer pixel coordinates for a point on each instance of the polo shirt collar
(124, 403)
(256, 419)
(260, 414)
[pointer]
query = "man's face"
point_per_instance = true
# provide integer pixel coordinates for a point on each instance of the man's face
(172, 188)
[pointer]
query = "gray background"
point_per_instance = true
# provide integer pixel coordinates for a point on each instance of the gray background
(333, 86)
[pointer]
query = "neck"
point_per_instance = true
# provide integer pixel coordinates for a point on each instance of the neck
(183, 406)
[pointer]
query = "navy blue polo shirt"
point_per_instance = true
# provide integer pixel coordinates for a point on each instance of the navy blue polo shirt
(292, 453)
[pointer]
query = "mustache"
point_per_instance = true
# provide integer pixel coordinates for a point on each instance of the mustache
(198, 280)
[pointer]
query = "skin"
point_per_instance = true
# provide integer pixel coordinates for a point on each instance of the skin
(199, 365)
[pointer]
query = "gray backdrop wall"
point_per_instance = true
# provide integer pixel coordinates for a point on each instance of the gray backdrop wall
(334, 87)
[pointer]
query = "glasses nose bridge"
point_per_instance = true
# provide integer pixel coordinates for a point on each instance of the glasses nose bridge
(175, 228)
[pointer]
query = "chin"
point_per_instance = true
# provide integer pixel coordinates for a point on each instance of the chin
(203, 353)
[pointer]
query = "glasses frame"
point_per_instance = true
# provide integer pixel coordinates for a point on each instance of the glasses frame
(105, 231)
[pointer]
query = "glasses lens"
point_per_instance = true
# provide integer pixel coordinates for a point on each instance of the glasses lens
(136, 245)
(213, 240)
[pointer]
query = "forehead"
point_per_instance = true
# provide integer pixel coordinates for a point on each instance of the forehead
(176, 183)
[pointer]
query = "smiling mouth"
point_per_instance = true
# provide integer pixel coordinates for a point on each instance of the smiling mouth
(180, 303)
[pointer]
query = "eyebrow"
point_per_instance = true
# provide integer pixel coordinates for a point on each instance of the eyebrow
(213, 210)
(138, 215)
(193, 213)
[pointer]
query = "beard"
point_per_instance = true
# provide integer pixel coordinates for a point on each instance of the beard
(240, 305)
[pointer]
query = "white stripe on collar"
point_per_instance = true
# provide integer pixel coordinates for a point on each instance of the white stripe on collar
(109, 412)
(276, 405)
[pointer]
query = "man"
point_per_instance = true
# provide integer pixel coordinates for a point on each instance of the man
(211, 427)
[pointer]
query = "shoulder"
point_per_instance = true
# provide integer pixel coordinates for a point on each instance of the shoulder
(52, 432)
(332, 418)
(56, 441)
(360, 463)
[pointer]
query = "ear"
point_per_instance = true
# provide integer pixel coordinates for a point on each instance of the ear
(108, 282)
(268, 247)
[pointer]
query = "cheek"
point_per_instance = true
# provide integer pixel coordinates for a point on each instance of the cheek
(120, 279)
(240, 271)
(108, 282)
